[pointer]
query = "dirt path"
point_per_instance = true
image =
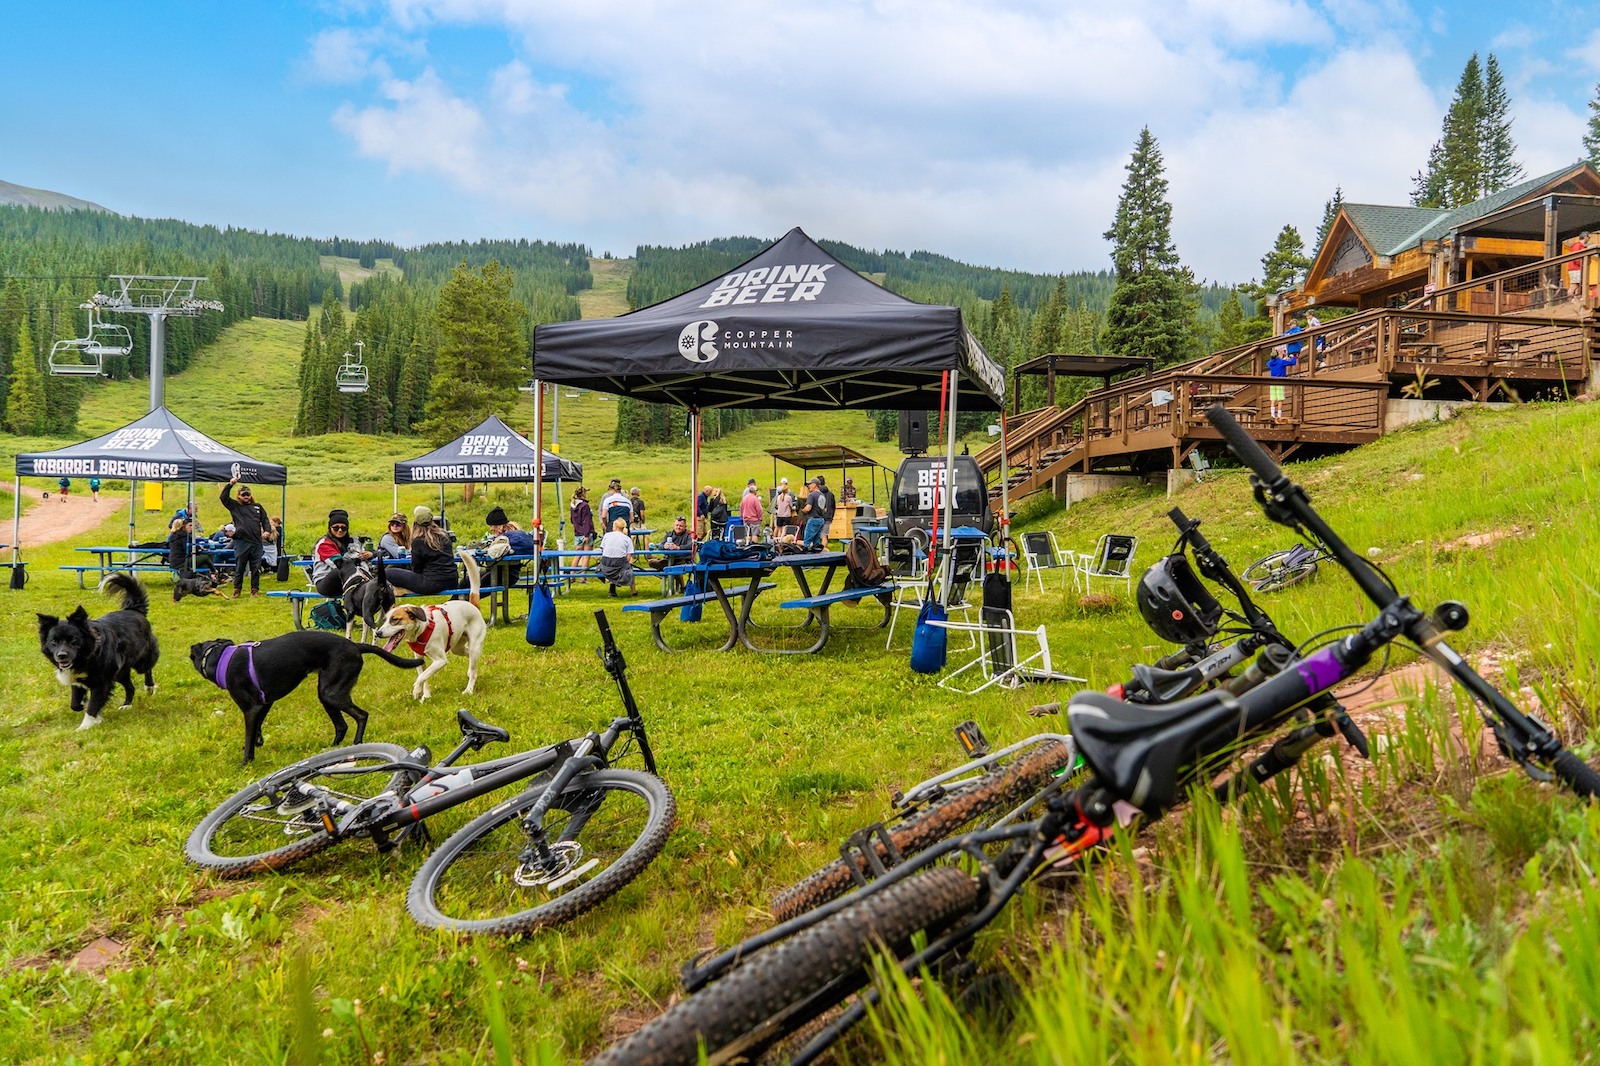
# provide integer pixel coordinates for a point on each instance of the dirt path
(48, 521)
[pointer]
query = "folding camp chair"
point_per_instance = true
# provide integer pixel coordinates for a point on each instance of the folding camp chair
(954, 574)
(900, 556)
(997, 662)
(1112, 561)
(740, 534)
(1041, 552)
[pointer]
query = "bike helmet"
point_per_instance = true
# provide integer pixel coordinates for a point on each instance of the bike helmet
(1175, 604)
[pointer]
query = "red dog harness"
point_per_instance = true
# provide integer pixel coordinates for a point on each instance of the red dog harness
(420, 645)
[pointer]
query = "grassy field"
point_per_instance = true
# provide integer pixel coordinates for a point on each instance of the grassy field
(1428, 908)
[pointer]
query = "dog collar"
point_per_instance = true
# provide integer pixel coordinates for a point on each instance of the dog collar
(221, 678)
(420, 645)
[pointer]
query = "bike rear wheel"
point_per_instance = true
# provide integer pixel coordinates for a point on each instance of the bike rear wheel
(604, 830)
(762, 999)
(1276, 571)
(254, 830)
(998, 790)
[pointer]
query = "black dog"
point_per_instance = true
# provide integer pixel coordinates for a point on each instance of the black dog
(367, 599)
(91, 655)
(257, 675)
(206, 584)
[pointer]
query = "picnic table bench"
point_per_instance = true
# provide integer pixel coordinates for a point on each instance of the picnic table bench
(297, 598)
(820, 604)
(659, 609)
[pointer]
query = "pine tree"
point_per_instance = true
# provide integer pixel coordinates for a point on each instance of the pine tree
(1591, 137)
(482, 349)
(1500, 167)
(25, 404)
(1150, 314)
(1330, 213)
(1475, 154)
(1282, 268)
(1230, 322)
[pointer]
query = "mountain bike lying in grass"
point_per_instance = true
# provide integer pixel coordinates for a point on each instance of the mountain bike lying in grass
(1281, 569)
(577, 835)
(925, 908)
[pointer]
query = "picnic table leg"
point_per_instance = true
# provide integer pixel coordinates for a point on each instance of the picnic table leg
(655, 628)
(735, 628)
(821, 614)
(299, 612)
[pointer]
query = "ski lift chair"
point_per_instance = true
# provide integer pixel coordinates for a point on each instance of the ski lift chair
(107, 338)
(352, 373)
(1112, 561)
(997, 661)
(67, 359)
(1041, 552)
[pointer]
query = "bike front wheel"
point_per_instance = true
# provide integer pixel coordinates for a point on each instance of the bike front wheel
(1276, 571)
(767, 997)
(602, 832)
(267, 825)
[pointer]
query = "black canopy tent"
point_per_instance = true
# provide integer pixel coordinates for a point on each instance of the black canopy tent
(790, 328)
(490, 451)
(158, 446)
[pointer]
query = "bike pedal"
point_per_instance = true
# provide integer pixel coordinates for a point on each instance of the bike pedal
(972, 739)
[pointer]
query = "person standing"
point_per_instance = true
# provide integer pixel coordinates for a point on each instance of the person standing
(716, 512)
(750, 510)
(251, 529)
(1278, 367)
(819, 514)
(782, 507)
(615, 504)
(582, 519)
(636, 502)
(701, 503)
(94, 488)
(65, 486)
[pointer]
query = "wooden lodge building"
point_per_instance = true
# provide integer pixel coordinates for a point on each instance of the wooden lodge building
(1407, 311)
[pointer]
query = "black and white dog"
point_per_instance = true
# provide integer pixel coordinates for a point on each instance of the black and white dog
(367, 598)
(260, 673)
(213, 582)
(92, 655)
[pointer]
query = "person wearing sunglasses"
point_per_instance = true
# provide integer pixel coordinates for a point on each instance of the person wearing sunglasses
(337, 557)
(252, 529)
(396, 543)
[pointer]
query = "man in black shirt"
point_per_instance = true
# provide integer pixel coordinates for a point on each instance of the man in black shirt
(251, 527)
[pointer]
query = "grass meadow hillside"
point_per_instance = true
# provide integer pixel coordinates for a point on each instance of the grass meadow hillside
(1428, 907)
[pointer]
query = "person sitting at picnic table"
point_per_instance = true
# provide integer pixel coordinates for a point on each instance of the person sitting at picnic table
(616, 557)
(433, 564)
(679, 538)
(180, 544)
(396, 543)
(716, 512)
(750, 509)
(336, 558)
(582, 519)
(518, 540)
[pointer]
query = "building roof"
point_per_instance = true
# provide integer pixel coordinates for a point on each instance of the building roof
(1387, 229)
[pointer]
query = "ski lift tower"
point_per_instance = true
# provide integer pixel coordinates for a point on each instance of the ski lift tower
(158, 297)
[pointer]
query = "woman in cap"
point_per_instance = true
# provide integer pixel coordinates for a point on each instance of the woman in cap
(396, 543)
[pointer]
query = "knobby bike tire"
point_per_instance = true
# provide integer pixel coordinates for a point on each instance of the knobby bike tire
(1269, 575)
(1002, 788)
(467, 884)
(755, 1002)
(251, 808)
(1576, 774)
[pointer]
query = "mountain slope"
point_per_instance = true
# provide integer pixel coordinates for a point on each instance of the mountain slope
(50, 201)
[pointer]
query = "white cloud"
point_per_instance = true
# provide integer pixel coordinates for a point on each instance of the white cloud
(994, 132)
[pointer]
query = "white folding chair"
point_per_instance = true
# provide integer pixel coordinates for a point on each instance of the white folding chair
(899, 555)
(1112, 561)
(997, 661)
(1041, 552)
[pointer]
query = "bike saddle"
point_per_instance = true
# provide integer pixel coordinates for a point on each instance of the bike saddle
(1164, 686)
(481, 732)
(1140, 750)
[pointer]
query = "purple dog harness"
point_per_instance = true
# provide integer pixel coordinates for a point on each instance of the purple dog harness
(221, 678)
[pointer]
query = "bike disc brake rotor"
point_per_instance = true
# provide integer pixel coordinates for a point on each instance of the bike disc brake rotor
(565, 866)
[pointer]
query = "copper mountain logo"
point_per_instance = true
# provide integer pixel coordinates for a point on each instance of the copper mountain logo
(697, 342)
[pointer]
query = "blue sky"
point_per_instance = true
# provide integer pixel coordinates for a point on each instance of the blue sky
(996, 133)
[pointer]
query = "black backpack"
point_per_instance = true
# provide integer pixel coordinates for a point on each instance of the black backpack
(866, 569)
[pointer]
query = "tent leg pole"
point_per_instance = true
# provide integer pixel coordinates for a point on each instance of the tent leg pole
(694, 478)
(395, 509)
(538, 450)
(950, 460)
(133, 495)
(16, 519)
(1005, 482)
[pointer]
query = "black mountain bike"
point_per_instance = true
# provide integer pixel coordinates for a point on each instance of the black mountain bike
(1284, 568)
(578, 833)
(925, 908)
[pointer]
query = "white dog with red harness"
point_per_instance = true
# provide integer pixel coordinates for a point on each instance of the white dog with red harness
(434, 632)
